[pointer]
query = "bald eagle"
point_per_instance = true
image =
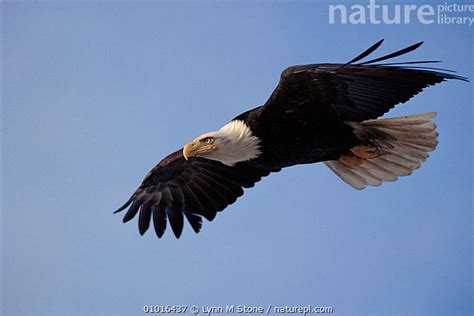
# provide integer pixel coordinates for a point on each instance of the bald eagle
(317, 113)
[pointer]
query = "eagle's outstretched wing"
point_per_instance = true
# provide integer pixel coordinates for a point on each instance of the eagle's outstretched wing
(352, 92)
(194, 188)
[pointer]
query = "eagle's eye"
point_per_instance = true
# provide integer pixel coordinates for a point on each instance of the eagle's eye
(207, 140)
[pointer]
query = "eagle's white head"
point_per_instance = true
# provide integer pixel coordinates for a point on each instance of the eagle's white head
(233, 143)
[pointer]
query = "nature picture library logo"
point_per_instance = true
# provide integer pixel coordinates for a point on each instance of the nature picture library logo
(445, 13)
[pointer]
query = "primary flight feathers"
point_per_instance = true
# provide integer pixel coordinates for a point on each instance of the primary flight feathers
(317, 113)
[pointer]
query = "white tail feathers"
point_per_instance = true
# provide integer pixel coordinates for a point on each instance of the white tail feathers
(402, 144)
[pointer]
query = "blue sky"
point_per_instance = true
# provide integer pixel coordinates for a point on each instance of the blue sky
(95, 94)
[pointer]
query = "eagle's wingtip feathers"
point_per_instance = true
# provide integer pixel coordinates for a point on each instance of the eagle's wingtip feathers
(130, 200)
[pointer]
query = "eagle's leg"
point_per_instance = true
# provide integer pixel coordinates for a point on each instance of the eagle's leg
(365, 152)
(357, 155)
(350, 159)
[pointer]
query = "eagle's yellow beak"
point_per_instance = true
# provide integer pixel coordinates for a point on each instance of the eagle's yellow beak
(198, 148)
(189, 150)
